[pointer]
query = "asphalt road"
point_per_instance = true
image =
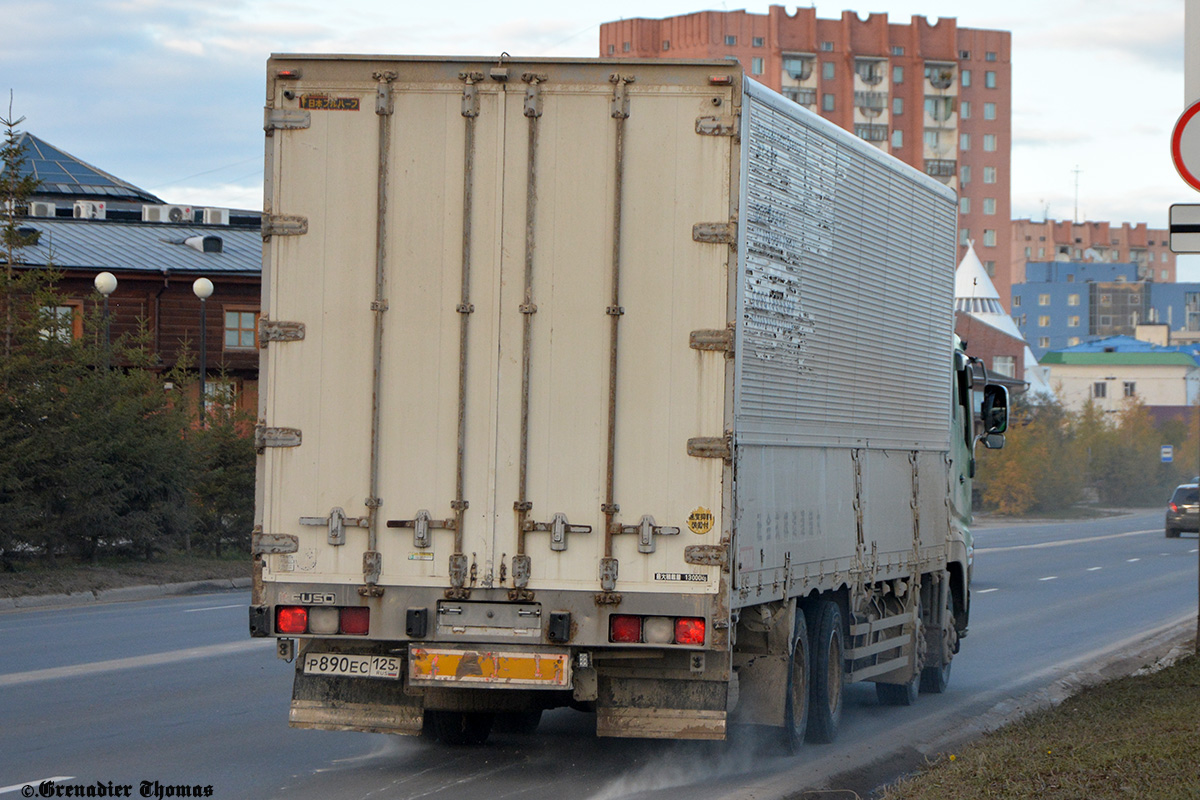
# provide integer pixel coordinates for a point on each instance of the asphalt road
(173, 691)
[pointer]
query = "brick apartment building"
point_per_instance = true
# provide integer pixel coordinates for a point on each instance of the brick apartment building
(1088, 242)
(936, 96)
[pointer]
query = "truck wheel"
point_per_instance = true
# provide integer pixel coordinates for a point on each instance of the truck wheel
(459, 727)
(796, 711)
(936, 676)
(828, 672)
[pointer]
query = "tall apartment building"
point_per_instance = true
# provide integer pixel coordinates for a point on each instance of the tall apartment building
(1090, 242)
(936, 96)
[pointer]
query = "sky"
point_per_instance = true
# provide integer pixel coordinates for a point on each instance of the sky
(168, 95)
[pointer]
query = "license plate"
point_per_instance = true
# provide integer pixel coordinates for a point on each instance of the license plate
(430, 666)
(352, 666)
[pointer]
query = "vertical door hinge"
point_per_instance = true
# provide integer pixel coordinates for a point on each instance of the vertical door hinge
(619, 108)
(717, 126)
(711, 447)
(272, 330)
(470, 98)
(285, 119)
(720, 341)
(283, 225)
(715, 233)
(265, 437)
(533, 93)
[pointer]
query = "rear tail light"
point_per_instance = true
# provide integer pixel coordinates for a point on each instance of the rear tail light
(624, 628)
(638, 629)
(1174, 508)
(291, 619)
(356, 620)
(689, 630)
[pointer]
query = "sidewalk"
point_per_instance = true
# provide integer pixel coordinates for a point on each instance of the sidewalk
(123, 594)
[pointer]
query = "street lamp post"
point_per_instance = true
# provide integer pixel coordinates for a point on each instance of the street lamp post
(203, 288)
(106, 284)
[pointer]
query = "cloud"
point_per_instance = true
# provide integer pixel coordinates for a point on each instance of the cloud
(1152, 37)
(1040, 137)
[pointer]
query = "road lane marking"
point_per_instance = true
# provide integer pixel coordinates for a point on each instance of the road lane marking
(1049, 578)
(152, 660)
(985, 591)
(1094, 569)
(1131, 560)
(213, 608)
(1063, 542)
(17, 786)
(1194, 550)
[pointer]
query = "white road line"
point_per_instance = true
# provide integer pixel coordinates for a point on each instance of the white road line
(985, 591)
(1194, 550)
(152, 660)
(1064, 542)
(1094, 569)
(1049, 578)
(1131, 560)
(16, 786)
(235, 605)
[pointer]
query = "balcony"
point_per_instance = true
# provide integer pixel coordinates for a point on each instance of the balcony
(871, 133)
(941, 167)
(871, 101)
(802, 96)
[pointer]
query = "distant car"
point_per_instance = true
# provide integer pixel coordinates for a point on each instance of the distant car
(1183, 510)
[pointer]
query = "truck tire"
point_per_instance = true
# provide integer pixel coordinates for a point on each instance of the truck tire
(828, 674)
(936, 676)
(460, 727)
(795, 715)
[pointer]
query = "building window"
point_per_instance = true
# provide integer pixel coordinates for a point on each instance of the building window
(1099, 390)
(1130, 389)
(989, 174)
(756, 66)
(897, 74)
(931, 138)
(63, 323)
(612, 48)
(827, 102)
(1043, 299)
(989, 79)
(989, 110)
(1072, 341)
(1106, 299)
(965, 55)
(964, 141)
(220, 394)
(1043, 341)
(964, 109)
(990, 268)
(1028, 252)
(730, 40)
(241, 328)
(991, 55)
(1043, 321)
(1005, 365)
(897, 50)
(1163, 275)
(666, 44)
(827, 70)
(964, 203)
(625, 46)
(989, 142)
(1191, 305)
(989, 205)
(1072, 299)
(1041, 252)
(964, 236)
(989, 238)
(966, 77)
(827, 47)
(1163, 259)
(897, 138)
(1016, 301)
(757, 41)
(1073, 322)
(964, 174)
(898, 107)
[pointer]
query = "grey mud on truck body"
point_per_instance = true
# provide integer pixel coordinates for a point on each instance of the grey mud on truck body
(627, 386)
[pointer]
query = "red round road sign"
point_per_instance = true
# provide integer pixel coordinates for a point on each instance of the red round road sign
(1185, 146)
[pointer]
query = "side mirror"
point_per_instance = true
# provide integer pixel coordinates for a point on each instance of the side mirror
(993, 441)
(994, 411)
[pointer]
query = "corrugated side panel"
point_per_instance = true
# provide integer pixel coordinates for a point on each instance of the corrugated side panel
(846, 278)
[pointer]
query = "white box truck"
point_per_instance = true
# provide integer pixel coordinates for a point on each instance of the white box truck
(628, 386)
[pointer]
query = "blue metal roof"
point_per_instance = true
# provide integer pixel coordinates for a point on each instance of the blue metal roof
(1128, 344)
(82, 244)
(62, 174)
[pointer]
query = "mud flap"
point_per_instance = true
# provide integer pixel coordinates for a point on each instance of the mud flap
(354, 704)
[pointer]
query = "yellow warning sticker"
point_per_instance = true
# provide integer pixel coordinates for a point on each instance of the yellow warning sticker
(701, 521)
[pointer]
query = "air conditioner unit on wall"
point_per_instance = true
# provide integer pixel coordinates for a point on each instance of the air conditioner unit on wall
(216, 216)
(41, 209)
(85, 209)
(168, 213)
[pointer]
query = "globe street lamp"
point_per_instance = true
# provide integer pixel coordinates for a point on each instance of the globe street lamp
(203, 288)
(106, 284)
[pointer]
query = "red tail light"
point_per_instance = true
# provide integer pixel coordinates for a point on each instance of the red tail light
(689, 630)
(356, 620)
(624, 628)
(291, 619)
(1174, 508)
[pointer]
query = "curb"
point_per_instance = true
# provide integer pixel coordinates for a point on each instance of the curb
(123, 594)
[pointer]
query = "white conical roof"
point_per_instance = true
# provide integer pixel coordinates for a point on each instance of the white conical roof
(975, 294)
